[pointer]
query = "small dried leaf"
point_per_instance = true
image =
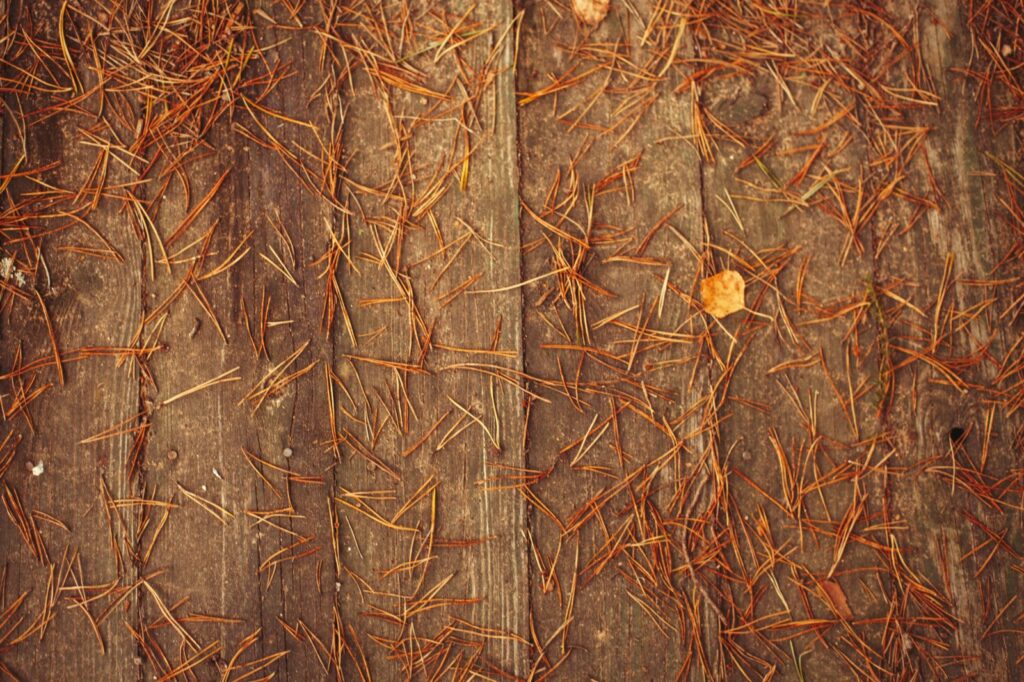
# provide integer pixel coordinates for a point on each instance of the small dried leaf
(722, 293)
(835, 594)
(590, 12)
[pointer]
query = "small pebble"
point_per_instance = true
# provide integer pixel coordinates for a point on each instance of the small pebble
(28, 465)
(287, 452)
(38, 469)
(1007, 50)
(172, 455)
(204, 487)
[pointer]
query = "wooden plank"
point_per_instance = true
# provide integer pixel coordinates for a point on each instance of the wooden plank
(292, 224)
(277, 545)
(433, 579)
(857, 441)
(206, 556)
(955, 427)
(71, 278)
(250, 316)
(866, 295)
(793, 376)
(611, 193)
(815, 453)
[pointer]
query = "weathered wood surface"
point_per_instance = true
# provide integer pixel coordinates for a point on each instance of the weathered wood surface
(48, 414)
(383, 355)
(611, 199)
(955, 437)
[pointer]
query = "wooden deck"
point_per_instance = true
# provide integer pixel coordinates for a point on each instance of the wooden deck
(364, 340)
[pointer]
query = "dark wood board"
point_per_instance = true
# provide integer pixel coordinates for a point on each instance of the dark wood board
(428, 280)
(608, 185)
(938, 423)
(51, 414)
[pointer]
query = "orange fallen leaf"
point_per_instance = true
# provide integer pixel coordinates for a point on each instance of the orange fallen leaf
(722, 293)
(835, 594)
(590, 12)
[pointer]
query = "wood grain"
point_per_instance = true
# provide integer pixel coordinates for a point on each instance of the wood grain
(431, 283)
(609, 183)
(793, 376)
(89, 302)
(964, 233)
(398, 364)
